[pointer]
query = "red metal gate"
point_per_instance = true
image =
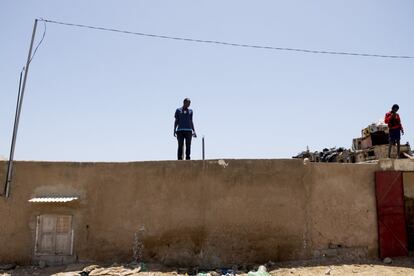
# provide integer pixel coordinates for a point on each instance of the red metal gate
(392, 233)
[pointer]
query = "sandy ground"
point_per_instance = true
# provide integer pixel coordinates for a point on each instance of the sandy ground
(401, 266)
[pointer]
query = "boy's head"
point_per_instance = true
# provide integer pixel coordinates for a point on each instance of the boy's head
(186, 102)
(395, 108)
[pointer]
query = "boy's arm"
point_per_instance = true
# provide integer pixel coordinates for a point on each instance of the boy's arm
(192, 125)
(175, 123)
(387, 117)
(175, 127)
(402, 129)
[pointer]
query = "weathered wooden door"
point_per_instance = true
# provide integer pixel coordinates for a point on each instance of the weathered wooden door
(54, 235)
(392, 234)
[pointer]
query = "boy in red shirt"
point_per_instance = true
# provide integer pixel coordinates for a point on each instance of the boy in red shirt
(394, 124)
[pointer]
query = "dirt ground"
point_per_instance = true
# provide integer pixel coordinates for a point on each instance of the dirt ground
(401, 266)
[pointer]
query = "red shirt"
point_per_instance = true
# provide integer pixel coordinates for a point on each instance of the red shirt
(394, 122)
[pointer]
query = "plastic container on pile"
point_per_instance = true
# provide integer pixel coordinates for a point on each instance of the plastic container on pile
(262, 271)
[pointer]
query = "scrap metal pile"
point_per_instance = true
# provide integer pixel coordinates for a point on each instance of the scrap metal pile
(372, 145)
(340, 155)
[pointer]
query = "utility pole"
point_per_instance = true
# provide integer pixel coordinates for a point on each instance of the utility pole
(203, 149)
(20, 95)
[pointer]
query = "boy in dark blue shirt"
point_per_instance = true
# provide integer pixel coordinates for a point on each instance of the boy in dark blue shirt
(184, 129)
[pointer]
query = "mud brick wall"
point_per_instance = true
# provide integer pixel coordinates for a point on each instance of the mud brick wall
(205, 213)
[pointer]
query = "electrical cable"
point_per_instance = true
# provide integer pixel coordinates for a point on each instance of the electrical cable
(228, 43)
(41, 40)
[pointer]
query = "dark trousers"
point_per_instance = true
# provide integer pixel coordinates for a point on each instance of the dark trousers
(395, 137)
(181, 136)
(398, 149)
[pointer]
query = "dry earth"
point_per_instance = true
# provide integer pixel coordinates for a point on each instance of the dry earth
(401, 266)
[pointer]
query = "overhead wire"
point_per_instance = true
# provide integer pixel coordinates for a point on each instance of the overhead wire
(228, 43)
(41, 40)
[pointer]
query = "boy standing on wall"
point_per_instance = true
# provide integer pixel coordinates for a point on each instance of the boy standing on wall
(184, 129)
(393, 120)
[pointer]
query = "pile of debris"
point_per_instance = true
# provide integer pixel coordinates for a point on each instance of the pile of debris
(372, 145)
(96, 270)
(338, 155)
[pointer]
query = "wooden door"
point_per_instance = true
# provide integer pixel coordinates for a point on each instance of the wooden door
(392, 233)
(54, 235)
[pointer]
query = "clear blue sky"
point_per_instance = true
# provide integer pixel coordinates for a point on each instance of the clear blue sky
(97, 96)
